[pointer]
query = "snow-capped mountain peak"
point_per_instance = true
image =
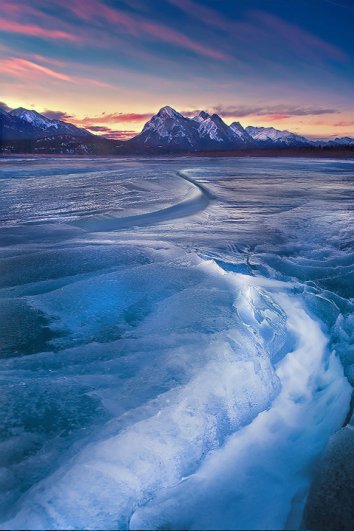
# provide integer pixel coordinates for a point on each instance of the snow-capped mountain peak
(168, 112)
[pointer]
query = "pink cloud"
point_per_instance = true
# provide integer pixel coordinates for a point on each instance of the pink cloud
(35, 31)
(102, 19)
(47, 60)
(345, 123)
(24, 68)
(57, 115)
(94, 82)
(111, 118)
(17, 67)
(275, 117)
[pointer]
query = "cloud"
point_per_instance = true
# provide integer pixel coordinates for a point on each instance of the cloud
(48, 60)
(281, 111)
(346, 123)
(116, 117)
(121, 135)
(96, 12)
(99, 128)
(95, 124)
(25, 69)
(35, 31)
(95, 82)
(299, 40)
(112, 134)
(128, 117)
(20, 68)
(204, 14)
(57, 115)
(267, 33)
(34, 19)
(275, 117)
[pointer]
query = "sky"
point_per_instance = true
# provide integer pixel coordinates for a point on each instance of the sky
(109, 65)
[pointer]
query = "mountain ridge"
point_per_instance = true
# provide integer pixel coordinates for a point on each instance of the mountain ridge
(166, 131)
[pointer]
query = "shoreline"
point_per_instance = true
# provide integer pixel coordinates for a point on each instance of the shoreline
(344, 153)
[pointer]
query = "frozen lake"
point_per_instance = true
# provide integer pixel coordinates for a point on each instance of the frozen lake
(176, 339)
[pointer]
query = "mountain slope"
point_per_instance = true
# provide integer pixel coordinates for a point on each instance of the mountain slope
(241, 133)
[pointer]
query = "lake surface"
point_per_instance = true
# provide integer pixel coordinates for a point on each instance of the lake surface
(176, 339)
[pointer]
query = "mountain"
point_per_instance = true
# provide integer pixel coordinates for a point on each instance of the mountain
(27, 131)
(24, 124)
(275, 137)
(43, 126)
(170, 130)
(167, 129)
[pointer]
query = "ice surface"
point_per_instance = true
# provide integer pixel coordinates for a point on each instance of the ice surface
(173, 336)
